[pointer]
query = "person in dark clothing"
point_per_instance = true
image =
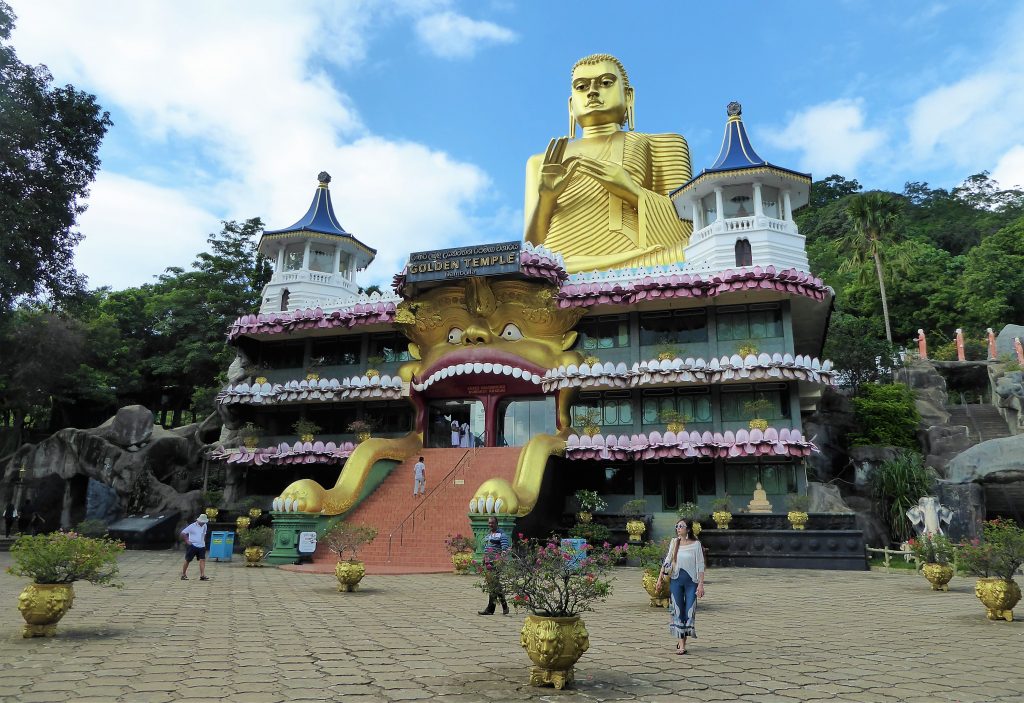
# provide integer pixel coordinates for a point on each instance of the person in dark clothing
(496, 543)
(9, 514)
(25, 516)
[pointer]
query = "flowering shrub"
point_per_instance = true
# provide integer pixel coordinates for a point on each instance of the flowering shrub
(590, 501)
(66, 557)
(650, 555)
(342, 537)
(932, 549)
(459, 544)
(1000, 554)
(542, 577)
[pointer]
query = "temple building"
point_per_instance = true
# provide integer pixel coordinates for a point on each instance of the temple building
(668, 361)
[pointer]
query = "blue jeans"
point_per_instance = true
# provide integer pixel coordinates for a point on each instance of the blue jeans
(683, 605)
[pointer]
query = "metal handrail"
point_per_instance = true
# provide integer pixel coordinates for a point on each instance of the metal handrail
(463, 461)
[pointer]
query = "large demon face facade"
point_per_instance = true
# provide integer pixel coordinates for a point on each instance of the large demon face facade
(485, 331)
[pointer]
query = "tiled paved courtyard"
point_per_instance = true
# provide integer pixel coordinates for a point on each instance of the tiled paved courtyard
(262, 635)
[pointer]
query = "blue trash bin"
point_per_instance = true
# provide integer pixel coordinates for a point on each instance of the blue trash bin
(577, 549)
(222, 544)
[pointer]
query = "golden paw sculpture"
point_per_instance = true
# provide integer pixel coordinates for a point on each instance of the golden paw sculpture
(497, 496)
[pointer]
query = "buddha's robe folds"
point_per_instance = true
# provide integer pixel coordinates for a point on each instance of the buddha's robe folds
(588, 221)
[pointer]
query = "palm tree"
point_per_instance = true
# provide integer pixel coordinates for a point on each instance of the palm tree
(874, 217)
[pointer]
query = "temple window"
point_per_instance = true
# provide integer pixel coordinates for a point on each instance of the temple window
(744, 257)
(321, 260)
(755, 322)
(775, 478)
(284, 300)
(390, 348)
(343, 264)
(695, 405)
(293, 254)
(673, 327)
(610, 410)
(679, 481)
(770, 202)
(738, 201)
(734, 403)
(282, 355)
(608, 332)
(335, 351)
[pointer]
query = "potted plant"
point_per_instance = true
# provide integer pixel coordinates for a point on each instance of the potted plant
(54, 562)
(721, 515)
(461, 548)
(361, 429)
(260, 380)
(590, 532)
(250, 432)
(798, 505)
(995, 559)
(306, 429)
(373, 360)
(347, 538)
(591, 360)
(755, 409)
(212, 499)
(311, 376)
(667, 351)
(257, 541)
(747, 347)
(242, 523)
(589, 502)
(934, 553)
(650, 556)
(555, 590)
(252, 504)
(635, 527)
(588, 421)
(674, 420)
(690, 512)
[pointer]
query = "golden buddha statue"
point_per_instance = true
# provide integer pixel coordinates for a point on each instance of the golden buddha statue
(602, 201)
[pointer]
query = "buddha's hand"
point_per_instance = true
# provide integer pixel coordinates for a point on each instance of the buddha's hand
(494, 497)
(613, 177)
(554, 173)
(303, 496)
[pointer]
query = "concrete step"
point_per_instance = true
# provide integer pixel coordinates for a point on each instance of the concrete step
(983, 421)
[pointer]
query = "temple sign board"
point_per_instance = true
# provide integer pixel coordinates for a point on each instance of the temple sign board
(462, 262)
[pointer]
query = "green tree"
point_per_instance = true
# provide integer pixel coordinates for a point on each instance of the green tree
(49, 138)
(856, 347)
(874, 218)
(991, 291)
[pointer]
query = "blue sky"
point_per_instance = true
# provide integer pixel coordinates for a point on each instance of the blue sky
(425, 111)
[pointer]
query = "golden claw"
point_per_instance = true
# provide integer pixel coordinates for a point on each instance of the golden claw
(496, 495)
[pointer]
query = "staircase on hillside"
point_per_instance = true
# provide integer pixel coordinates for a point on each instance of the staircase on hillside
(411, 531)
(983, 421)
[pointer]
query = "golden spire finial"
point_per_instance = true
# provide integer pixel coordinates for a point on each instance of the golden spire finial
(324, 178)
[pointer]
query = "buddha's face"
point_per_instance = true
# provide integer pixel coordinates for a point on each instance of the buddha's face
(598, 94)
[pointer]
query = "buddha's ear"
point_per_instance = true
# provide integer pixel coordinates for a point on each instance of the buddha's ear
(630, 114)
(414, 351)
(568, 340)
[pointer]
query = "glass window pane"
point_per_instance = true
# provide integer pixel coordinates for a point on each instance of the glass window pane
(321, 260)
(702, 409)
(625, 412)
(650, 411)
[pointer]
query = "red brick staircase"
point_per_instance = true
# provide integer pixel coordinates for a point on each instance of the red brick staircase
(411, 531)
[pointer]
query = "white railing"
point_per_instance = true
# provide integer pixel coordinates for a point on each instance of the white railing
(743, 224)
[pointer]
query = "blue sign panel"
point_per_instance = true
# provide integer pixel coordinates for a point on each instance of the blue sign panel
(462, 262)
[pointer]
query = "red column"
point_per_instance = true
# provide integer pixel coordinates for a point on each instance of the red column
(960, 345)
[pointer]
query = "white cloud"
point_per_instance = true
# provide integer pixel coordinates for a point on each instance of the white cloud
(454, 36)
(239, 86)
(1009, 170)
(831, 137)
(135, 230)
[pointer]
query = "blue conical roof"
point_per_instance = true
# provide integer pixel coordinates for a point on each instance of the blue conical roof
(736, 150)
(320, 217)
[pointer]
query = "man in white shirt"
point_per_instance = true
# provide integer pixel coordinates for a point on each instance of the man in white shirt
(194, 537)
(420, 475)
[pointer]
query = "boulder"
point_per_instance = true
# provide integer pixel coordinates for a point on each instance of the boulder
(967, 501)
(132, 425)
(829, 427)
(825, 498)
(1004, 340)
(929, 392)
(995, 461)
(869, 521)
(868, 458)
(942, 443)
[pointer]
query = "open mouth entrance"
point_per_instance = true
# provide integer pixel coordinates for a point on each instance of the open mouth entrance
(489, 422)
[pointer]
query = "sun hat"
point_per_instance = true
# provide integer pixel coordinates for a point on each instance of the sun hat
(204, 518)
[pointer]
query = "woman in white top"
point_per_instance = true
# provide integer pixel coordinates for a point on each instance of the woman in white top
(684, 565)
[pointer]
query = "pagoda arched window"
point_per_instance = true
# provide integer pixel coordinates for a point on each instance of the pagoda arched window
(284, 300)
(744, 257)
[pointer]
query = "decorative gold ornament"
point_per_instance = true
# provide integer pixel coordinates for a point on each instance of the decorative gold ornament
(722, 518)
(746, 350)
(554, 645)
(584, 516)
(591, 360)
(349, 574)
(254, 556)
(675, 427)
(659, 597)
(798, 519)
(636, 530)
(696, 528)
(938, 575)
(307, 437)
(312, 377)
(212, 513)
(251, 442)
(462, 561)
(43, 605)
(372, 373)
(254, 513)
(241, 523)
(602, 201)
(758, 424)
(666, 356)
(999, 596)
(261, 380)
(362, 436)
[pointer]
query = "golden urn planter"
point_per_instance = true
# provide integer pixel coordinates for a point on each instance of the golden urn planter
(212, 513)
(722, 518)
(999, 596)
(659, 598)
(675, 427)
(798, 519)
(241, 523)
(462, 561)
(254, 513)
(254, 556)
(43, 605)
(636, 530)
(349, 574)
(695, 526)
(307, 437)
(362, 437)
(554, 645)
(372, 373)
(938, 575)
(758, 424)
(251, 443)
(584, 516)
